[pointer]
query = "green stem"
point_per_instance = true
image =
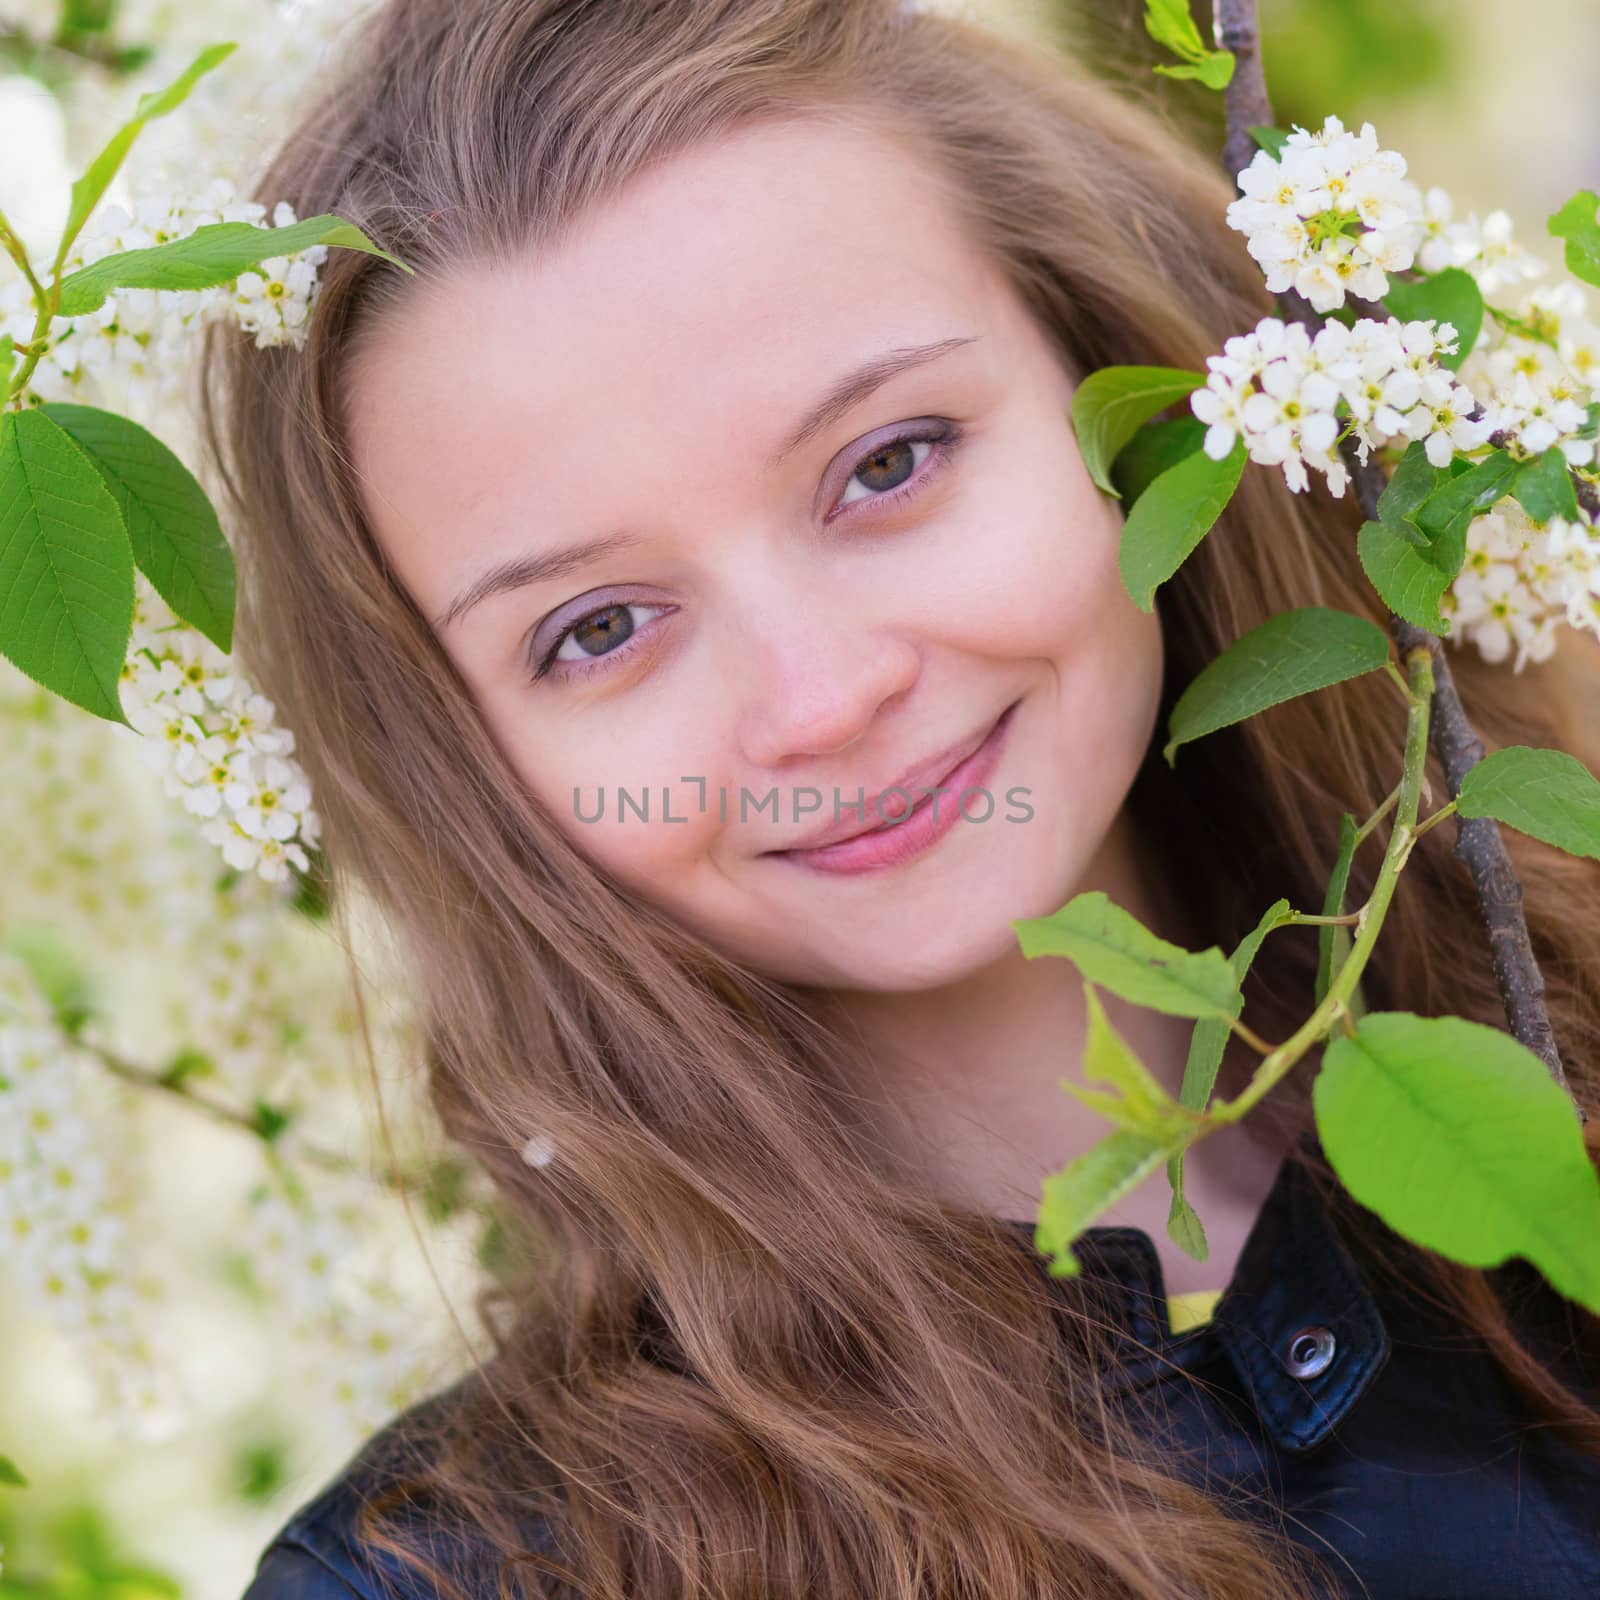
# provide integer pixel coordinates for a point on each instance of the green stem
(12, 244)
(1434, 821)
(1370, 918)
(35, 348)
(45, 301)
(1250, 1036)
(1382, 811)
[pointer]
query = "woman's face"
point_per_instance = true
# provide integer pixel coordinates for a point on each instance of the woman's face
(776, 484)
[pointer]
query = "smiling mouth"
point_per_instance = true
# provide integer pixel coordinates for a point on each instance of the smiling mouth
(929, 777)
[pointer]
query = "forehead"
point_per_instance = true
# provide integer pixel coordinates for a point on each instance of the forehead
(724, 288)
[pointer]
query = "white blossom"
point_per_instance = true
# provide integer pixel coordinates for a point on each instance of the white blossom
(1282, 390)
(1487, 250)
(1520, 581)
(212, 738)
(1330, 215)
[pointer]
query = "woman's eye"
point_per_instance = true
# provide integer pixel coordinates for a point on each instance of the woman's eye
(891, 470)
(582, 645)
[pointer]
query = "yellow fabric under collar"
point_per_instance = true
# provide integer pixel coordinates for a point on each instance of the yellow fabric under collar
(1191, 1309)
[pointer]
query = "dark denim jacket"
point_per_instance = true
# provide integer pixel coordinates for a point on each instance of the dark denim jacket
(1394, 1447)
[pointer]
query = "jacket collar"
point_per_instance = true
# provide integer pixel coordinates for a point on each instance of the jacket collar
(1296, 1285)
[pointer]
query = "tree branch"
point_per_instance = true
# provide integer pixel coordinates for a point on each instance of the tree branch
(245, 1121)
(1478, 843)
(1246, 100)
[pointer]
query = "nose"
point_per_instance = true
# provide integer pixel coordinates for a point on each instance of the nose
(817, 674)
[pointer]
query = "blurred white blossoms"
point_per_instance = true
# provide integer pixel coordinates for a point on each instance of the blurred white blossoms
(131, 353)
(1485, 249)
(1330, 215)
(1520, 581)
(310, 1254)
(1280, 389)
(1534, 368)
(64, 1208)
(214, 741)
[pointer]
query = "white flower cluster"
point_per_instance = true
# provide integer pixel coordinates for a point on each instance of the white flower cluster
(63, 1216)
(234, 113)
(182, 961)
(1486, 249)
(1520, 581)
(1281, 389)
(131, 353)
(311, 1255)
(215, 743)
(1536, 367)
(1332, 214)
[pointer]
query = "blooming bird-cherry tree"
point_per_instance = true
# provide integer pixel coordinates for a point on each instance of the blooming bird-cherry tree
(1430, 363)
(1427, 363)
(163, 936)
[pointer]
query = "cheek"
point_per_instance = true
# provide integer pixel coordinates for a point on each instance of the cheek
(630, 803)
(1045, 581)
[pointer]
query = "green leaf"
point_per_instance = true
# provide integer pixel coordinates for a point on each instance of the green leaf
(313, 892)
(268, 1121)
(1272, 140)
(86, 192)
(10, 1476)
(1414, 482)
(1170, 23)
(1459, 1138)
(1071, 1199)
(1206, 1045)
(1544, 488)
(1547, 794)
(1140, 1102)
(1450, 296)
(66, 568)
(1578, 222)
(1214, 69)
(214, 254)
(1171, 517)
(186, 1064)
(1113, 948)
(1291, 654)
(87, 16)
(1210, 1036)
(1448, 512)
(1152, 450)
(1184, 1226)
(57, 971)
(1333, 905)
(1111, 405)
(1410, 584)
(176, 538)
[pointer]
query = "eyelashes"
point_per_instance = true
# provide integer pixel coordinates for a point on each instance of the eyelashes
(942, 440)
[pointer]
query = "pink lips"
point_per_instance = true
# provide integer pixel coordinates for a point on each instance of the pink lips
(883, 845)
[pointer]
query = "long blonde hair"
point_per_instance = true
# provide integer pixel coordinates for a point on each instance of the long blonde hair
(744, 1358)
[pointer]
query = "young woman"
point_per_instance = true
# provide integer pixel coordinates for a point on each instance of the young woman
(720, 447)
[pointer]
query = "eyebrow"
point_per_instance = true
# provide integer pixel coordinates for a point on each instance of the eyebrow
(848, 391)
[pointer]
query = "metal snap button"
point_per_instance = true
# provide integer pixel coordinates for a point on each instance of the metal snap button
(1310, 1351)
